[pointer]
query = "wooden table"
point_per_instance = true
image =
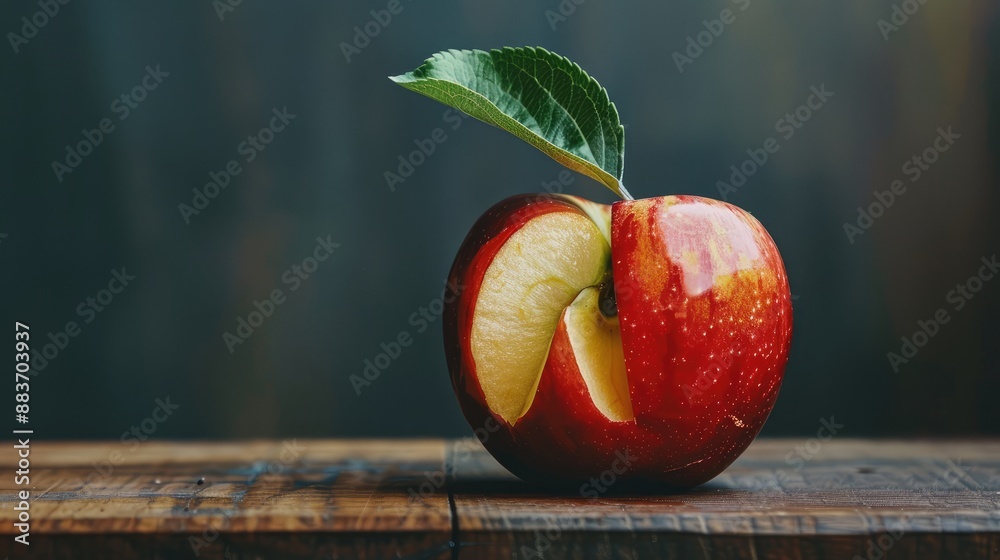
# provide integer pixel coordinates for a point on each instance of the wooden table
(784, 498)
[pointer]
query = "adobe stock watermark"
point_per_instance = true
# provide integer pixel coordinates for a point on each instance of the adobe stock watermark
(544, 538)
(592, 490)
(392, 350)
(122, 106)
(211, 532)
(707, 377)
(224, 7)
(786, 126)
(365, 33)
(913, 168)
(87, 310)
(714, 28)
(601, 483)
(802, 454)
(31, 25)
(958, 297)
(898, 16)
(954, 475)
(132, 438)
(290, 453)
(292, 277)
(461, 453)
(878, 546)
(562, 13)
(556, 186)
(957, 475)
(425, 148)
(253, 146)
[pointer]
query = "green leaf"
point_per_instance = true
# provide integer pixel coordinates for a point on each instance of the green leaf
(539, 96)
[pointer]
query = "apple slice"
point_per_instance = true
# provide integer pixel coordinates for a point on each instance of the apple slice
(534, 276)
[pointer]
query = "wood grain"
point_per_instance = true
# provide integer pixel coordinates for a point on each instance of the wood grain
(212, 500)
(781, 499)
(789, 498)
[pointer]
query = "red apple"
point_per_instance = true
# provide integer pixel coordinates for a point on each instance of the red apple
(647, 338)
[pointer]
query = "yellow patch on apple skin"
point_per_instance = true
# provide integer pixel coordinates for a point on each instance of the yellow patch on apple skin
(538, 272)
(647, 270)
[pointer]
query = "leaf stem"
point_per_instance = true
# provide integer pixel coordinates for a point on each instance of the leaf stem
(624, 193)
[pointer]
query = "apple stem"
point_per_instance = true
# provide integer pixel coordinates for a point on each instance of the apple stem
(624, 193)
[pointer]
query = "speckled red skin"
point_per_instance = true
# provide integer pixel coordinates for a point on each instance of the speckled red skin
(704, 368)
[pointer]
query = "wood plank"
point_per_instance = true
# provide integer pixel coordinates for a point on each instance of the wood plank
(353, 497)
(384, 498)
(914, 499)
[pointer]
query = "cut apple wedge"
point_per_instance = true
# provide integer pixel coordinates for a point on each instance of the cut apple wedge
(538, 272)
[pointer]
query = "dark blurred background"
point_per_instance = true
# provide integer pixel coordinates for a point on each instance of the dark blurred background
(216, 72)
